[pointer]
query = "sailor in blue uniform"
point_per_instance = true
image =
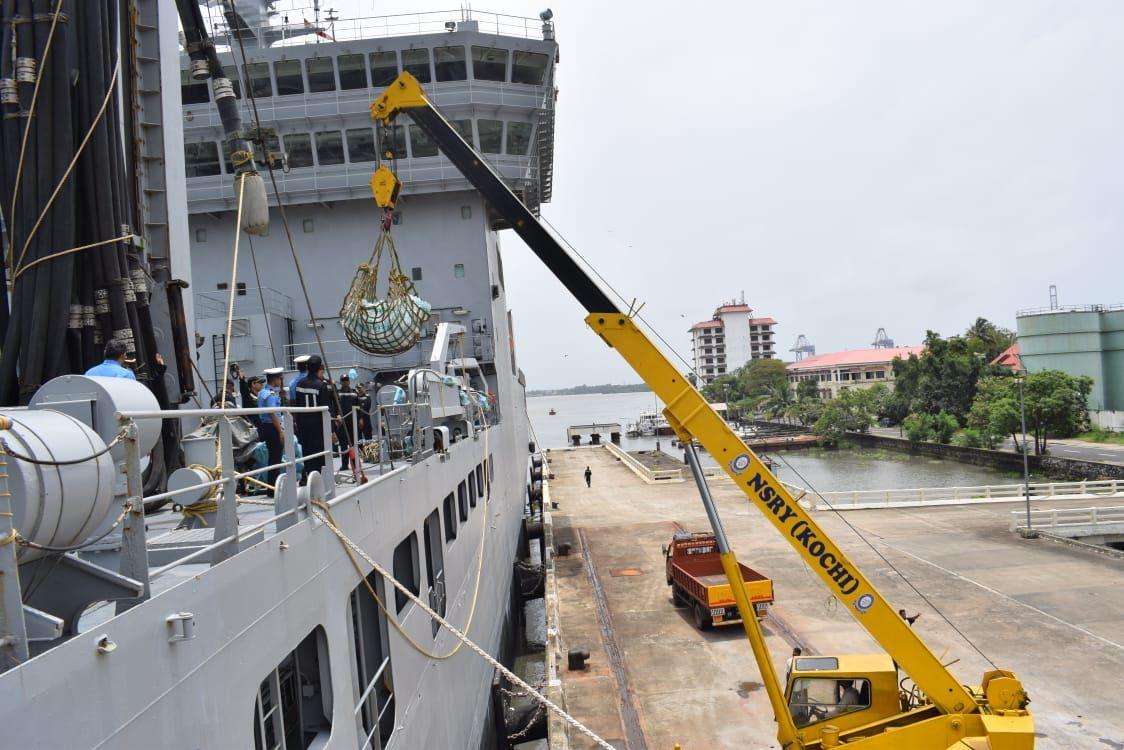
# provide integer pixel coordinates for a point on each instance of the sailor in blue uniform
(302, 368)
(114, 364)
(269, 427)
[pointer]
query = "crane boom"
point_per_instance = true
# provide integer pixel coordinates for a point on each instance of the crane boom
(694, 418)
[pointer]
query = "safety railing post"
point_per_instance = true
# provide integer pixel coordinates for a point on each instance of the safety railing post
(134, 551)
(287, 499)
(329, 473)
(226, 515)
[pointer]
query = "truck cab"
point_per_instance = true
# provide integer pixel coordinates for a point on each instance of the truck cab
(841, 692)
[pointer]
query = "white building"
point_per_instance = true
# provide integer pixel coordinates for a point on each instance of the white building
(729, 340)
(856, 368)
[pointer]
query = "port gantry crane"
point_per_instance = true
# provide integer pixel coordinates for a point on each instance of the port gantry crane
(827, 701)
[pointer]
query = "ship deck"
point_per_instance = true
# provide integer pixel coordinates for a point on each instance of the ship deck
(1052, 613)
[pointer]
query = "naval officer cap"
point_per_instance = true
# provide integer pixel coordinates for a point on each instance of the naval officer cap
(273, 372)
(301, 359)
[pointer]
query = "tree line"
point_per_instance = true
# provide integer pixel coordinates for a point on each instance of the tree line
(950, 394)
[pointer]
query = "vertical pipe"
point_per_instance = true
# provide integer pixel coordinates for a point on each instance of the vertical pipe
(329, 473)
(1026, 468)
(13, 629)
(287, 498)
(134, 551)
(226, 517)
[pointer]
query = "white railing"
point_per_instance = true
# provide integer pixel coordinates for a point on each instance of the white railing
(1061, 519)
(988, 493)
(646, 473)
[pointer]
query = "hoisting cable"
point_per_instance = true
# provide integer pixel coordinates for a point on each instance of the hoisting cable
(233, 284)
(68, 251)
(7, 451)
(70, 168)
(894, 568)
(261, 296)
(27, 130)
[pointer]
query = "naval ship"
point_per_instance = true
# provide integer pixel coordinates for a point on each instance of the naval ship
(221, 618)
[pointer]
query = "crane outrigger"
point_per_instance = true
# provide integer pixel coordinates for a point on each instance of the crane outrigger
(826, 701)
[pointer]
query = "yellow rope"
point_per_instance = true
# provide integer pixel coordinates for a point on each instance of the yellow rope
(27, 129)
(70, 168)
(199, 510)
(19, 271)
(14, 536)
(370, 589)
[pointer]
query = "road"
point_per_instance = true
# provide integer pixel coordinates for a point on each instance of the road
(1080, 450)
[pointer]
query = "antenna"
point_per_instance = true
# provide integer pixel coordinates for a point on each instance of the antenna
(803, 347)
(1053, 296)
(882, 341)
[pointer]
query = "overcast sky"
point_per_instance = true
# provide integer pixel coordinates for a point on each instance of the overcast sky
(848, 165)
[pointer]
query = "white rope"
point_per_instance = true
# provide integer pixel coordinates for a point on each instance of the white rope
(532, 693)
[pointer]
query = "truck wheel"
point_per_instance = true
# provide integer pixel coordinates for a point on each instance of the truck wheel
(702, 617)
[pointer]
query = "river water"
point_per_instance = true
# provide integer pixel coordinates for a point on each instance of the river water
(821, 469)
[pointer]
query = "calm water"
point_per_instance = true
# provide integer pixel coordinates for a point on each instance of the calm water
(825, 470)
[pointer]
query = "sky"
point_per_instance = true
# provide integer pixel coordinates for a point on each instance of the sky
(849, 166)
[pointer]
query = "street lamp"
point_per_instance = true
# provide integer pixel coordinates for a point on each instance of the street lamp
(1019, 378)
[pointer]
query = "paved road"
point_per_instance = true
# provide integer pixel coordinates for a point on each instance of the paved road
(1105, 453)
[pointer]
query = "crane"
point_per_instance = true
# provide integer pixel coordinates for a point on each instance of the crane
(827, 701)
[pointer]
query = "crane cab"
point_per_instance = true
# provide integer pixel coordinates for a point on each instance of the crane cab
(844, 692)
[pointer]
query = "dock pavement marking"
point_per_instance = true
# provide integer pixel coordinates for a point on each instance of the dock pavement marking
(1008, 597)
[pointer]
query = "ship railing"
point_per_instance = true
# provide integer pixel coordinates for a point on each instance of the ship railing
(1068, 309)
(302, 26)
(246, 302)
(386, 702)
(228, 535)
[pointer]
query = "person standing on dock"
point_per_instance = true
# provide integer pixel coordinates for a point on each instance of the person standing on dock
(908, 618)
(588, 477)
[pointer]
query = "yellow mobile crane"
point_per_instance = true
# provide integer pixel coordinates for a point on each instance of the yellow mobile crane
(828, 701)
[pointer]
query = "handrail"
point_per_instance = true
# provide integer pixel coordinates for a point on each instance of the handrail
(1067, 517)
(843, 499)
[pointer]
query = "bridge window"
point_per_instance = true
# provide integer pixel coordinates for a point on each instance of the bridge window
(258, 82)
(299, 148)
(464, 128)
(406, 569)
(293, 707)
(471, 491)
(480, 479)
(528, 67)
(329, 147)
(449, 64)
(491, 135)
(201, 159)
(373, 678)
(289, 78)
(192, 91)
(489, 63)
(518, 138)
(450, 518)
(353, 72)
(384, 67)
(434, 565)
(321, 74)
(462, 501)
(361, 144)
(420, 143)
(416, 63)
(815, 699)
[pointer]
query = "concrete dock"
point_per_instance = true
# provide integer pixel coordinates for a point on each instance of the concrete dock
(1051, 613)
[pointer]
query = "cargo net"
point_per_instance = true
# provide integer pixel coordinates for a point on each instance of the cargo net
(390, 325)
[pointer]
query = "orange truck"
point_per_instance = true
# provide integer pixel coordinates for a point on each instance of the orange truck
(694, 572)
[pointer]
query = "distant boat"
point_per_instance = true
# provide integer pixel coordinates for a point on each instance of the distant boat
(551, 412)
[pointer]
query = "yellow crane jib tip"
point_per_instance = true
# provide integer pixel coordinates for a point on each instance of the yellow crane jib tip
(404, 92)
(385, 186)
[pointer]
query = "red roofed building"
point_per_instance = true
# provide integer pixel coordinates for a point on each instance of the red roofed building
(730, 339)
(1009, 358)
(855, 368)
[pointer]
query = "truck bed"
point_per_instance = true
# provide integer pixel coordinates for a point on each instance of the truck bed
(706, 581)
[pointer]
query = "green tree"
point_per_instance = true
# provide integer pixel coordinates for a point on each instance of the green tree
(995, 411)
(918, 427)
(807, 389)
(943, 378)
(944, 427)
(778, 400)
(760, 375)
(1055, 406)
(808, 410)
(988, 339)
(852, 411)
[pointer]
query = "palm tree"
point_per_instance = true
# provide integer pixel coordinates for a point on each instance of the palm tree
(778, 401)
